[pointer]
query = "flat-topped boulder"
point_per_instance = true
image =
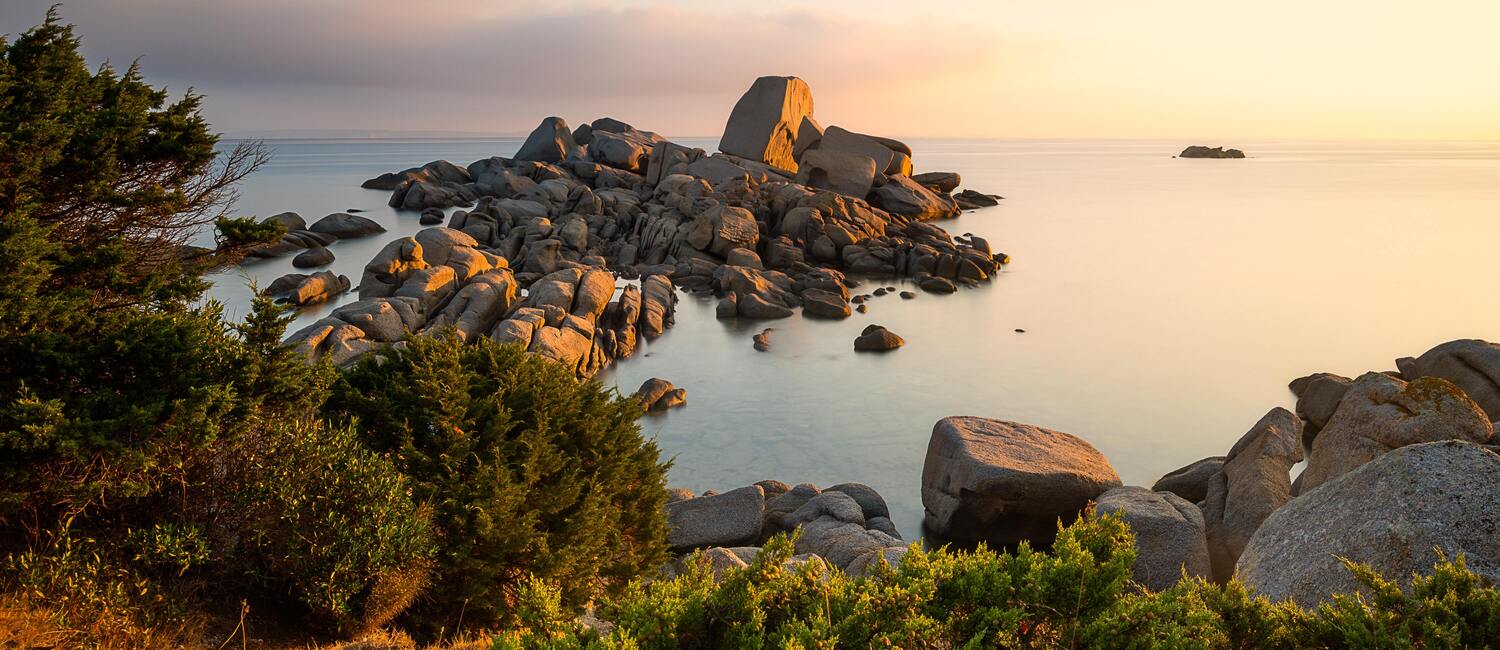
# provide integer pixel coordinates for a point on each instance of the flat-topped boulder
(766, 120)
(1200, 151)
(1002, 482)
(1395, 514)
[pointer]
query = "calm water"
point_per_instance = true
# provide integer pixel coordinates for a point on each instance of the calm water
(1166, 302)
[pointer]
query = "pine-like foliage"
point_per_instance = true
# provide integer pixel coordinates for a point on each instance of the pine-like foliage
(528, 472)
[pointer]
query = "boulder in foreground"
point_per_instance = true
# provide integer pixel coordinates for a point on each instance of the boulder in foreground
(1004, 482)
(1395, 514)
(1169, 537)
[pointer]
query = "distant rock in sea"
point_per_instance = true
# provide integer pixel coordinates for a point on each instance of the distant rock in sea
(1198, 151)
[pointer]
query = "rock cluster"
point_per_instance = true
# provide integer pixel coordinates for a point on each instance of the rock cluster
(443, 279)
(322, 233)
(534, 254)
(847, 526)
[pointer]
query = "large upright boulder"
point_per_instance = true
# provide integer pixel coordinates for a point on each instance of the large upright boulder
(1254, 481)
(1003, 482)
(549, 142)
(765, 121)
(1395, 514)
(1380, 413)
(1169, 536)
(1472, 364)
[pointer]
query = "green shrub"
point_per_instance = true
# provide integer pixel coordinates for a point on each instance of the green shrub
(332, 524)
(1075, 596)
(528, 471)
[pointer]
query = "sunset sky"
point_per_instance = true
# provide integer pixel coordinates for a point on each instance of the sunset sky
(954, 68)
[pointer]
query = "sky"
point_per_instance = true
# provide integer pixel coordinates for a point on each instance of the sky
(1221, 72)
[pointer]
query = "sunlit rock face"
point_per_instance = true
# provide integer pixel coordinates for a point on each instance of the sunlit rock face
(765, 122)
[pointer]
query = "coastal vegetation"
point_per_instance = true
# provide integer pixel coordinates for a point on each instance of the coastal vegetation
(170, 478)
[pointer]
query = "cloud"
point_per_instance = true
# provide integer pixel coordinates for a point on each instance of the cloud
(494, 68)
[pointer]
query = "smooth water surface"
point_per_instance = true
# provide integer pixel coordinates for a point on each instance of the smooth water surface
(1165, 302)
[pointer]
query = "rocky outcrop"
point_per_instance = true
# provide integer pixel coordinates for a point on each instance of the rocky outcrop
(1379, 413)
(1005, 482)
(1199, 151)
(766, 120)
(1395, 514)
(1254, 481)
(1169, 534)
(1471, 364)
(847, 525)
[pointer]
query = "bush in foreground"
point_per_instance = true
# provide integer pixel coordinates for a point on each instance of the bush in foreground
(528, 472)
(1076, 596)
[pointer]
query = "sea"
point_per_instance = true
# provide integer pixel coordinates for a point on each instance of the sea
(1154, 306)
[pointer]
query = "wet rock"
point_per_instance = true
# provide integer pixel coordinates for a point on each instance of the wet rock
(431, 217)
(346, 226)
(972, 200)
(936, 284)
(818, 303)
(1169, 534)
(907, 295)
(319, 256)
(763, 340)
(875, 338)
(1004, 482)
(1379, 413)
(1395, 514)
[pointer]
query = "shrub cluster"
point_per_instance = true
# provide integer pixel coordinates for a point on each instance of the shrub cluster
(1077, 596)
